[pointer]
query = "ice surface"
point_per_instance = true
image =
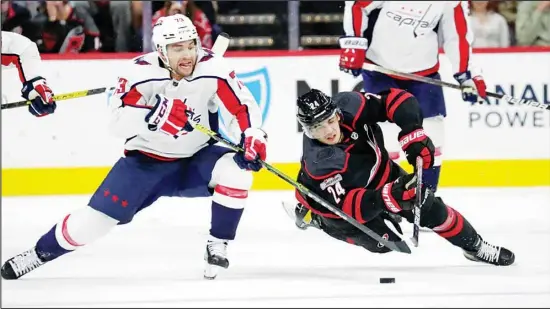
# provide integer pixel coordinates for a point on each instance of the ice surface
(157, 260)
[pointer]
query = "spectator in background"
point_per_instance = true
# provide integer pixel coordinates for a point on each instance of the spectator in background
(489, 27)
(533, 23)
(114, 20)
(64, 29)
(15, 18)
(509, 9)
(190, 9)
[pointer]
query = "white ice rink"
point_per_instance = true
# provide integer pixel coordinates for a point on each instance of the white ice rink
(157, 260)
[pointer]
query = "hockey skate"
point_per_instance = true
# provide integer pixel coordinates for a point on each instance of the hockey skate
(21, 264)
(487, 253)
(215, 257)
(303, 218)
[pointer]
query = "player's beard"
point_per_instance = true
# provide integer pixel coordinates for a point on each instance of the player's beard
(183, 67)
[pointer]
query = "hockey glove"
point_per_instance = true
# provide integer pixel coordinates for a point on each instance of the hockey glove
(400, 194)
(41, 96)
(415, 143)
(352, 54)
(169, 116)
(253, 141)
(474, 89)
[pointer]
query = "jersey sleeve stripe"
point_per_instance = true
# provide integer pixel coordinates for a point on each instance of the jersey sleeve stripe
(461, 30)
(233, 104)
(358, 199)
(357, 16)
(404, 96)
(347, 206)
(14, 59)
(394, 99)
(133, 95)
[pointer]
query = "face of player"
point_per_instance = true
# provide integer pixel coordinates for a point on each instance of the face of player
(182, 57)
(327, 132)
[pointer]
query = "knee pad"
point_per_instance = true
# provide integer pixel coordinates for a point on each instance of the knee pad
(82, 226)
(435, 214)
(231, 183)
(435, 129)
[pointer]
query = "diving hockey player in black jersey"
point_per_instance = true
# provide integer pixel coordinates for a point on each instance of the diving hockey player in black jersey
(345, 162)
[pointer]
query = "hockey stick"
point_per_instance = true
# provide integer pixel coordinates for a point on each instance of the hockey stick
(220, 46)
(61, 97)
(399, 246)
(418, 201)
(506, 98)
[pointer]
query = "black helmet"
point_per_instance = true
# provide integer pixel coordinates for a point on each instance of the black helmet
(314, 107)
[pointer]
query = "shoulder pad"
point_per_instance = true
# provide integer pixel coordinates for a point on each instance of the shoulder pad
(349, 102)
(212, 66)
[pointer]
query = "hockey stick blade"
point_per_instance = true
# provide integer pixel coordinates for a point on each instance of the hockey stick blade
(62, 97)
(222, 44)
(506, 98)
(399, 246)
(418, 201)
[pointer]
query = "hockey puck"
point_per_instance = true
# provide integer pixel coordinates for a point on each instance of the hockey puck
(387, 280)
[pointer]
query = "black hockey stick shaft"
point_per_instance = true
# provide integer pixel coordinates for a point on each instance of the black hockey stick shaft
(418, 201)
(506, 98)
(399, 246)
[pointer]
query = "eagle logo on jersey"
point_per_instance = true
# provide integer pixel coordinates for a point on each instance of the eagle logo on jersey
(259, 85)
(141, 61)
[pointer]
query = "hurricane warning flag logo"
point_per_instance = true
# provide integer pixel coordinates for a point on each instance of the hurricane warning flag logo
(258, 84)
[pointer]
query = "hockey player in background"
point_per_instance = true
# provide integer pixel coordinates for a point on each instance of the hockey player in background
(21, 53)
(344, 161)
(157, 98)
(404, 36)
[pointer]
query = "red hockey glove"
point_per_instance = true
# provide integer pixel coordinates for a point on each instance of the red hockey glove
(169, 116)
(352, 54)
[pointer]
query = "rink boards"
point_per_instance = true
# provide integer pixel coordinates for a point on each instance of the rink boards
(492, 145)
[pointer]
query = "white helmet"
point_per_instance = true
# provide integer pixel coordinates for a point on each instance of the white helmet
(173, 29)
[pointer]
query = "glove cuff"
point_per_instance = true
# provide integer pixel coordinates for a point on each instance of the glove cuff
(463, 76)
(353, 42)
(28, 86)
(388, 200)
(256, 132)
(408, 129)
(406, 138)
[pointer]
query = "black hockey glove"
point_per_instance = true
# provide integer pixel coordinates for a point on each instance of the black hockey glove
(400, 194)
(415, 143)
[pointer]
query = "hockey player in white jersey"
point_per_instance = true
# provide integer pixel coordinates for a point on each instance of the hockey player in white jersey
(404, 36)
(158, 96)
(22, 53)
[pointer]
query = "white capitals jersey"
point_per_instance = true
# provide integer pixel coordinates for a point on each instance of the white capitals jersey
(21, 53)
(212, 85)
(403, 35)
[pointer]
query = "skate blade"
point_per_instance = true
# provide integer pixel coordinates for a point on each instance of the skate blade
(211, 271)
